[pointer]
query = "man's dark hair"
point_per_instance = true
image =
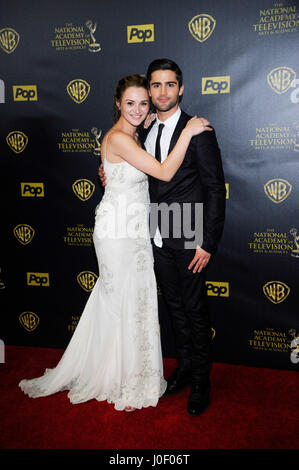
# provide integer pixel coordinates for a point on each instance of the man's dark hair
(164, 64)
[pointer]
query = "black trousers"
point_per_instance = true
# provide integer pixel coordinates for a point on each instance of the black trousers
(186, 298)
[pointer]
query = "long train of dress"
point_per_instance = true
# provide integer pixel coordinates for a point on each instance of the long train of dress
(115, 351)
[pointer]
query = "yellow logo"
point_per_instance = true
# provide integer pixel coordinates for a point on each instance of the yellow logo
(38, 279)
(32, 190)
(227, 190)
(78, 90)
(29, 320)
(24, 93)
(87, 280)
(24, 233)
(277, 190)
(83, 189)
(280, 79)
(276, 291)
(217, 289)
(9, 39)
(141, 33)
(214, 85)
(202, 26)
(17, 141)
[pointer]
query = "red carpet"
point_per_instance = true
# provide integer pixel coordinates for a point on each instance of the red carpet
(251, 408)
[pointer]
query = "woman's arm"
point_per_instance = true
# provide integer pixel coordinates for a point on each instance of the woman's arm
(125, 147)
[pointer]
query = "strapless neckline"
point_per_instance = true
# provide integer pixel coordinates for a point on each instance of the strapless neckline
(114, 163)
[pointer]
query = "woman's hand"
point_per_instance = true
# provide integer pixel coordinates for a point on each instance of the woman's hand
(102, 175)
(197, 125)
(149, 119)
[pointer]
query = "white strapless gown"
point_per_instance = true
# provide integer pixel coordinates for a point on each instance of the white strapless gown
(115, 351)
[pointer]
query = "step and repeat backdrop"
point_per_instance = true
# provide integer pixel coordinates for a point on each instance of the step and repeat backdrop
(59, 64)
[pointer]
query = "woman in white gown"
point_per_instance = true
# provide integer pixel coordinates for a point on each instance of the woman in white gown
(115, 351)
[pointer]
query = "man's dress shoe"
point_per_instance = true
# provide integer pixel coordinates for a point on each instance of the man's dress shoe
(177, 382)
(199, 399)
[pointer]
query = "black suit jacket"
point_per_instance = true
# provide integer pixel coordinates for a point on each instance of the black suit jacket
(200, 178)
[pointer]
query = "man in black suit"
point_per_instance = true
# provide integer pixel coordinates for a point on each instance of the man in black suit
(181, 271)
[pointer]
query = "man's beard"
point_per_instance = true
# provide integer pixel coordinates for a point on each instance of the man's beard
(169, 106)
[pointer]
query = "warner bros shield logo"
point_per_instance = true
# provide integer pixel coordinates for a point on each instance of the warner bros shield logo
(276, 291)
(202, 26)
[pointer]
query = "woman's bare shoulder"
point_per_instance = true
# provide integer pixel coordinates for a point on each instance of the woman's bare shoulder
(118, 138)
(118, 134)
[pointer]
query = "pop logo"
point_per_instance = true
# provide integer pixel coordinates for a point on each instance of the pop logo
(227, 190)
(32, 190)
(140, 33)
(38, 279)
(25, 93)
(214, 85)
(217, 289)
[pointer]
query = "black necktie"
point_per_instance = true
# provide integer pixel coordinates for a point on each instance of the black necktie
(158, 149)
